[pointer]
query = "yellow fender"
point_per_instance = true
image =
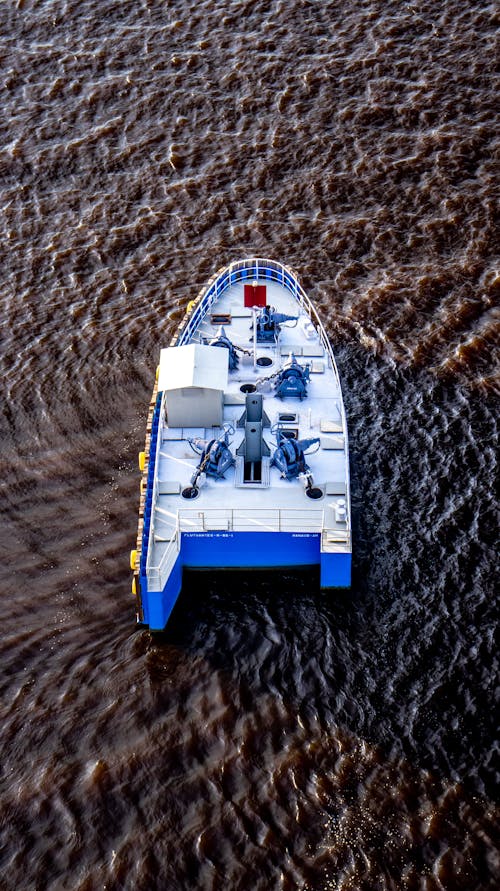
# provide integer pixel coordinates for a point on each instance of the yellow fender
(134, 586)
(190, 306)
(157, 372)
(142, 460)
(133, 559)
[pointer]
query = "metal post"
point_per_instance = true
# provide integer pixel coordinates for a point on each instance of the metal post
(254, 313)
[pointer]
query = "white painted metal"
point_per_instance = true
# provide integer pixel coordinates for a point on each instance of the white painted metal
(192, 365)
(193, 378)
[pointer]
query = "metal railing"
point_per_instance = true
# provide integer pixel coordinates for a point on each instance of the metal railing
(157, 575)
(154, 496)
(251, 520)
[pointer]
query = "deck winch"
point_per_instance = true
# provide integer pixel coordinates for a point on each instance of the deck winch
(292, 379)
(222, 340)
(215, 456)
(269, 322)
(289, 457)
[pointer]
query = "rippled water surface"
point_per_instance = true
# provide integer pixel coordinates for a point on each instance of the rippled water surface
(274, 738)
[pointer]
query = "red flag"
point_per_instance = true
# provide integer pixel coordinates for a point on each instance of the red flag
(255, 295)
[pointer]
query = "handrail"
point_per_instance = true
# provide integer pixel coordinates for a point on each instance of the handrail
(154, 494)
(168, 559)
(251, 519)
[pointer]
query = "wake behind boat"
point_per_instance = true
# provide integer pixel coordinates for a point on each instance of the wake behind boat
(246, 462)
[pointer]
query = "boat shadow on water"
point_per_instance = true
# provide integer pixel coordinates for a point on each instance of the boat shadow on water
(397, 660)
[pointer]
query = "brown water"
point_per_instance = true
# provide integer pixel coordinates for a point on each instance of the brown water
(275, 738)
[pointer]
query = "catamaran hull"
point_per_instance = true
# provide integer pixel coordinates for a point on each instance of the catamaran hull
(243, 551)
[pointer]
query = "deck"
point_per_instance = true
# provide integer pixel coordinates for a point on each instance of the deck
(282, 505)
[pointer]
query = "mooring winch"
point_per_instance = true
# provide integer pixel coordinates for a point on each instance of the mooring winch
(215, 456)
(292, 379)
(269, 322)
(222, 340)
(289, 457)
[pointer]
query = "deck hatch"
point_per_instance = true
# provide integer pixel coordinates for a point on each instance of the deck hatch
(247, 473)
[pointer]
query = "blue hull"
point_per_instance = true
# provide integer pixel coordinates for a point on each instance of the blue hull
(243, 550)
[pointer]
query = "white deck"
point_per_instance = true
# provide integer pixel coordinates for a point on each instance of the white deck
(283, 504)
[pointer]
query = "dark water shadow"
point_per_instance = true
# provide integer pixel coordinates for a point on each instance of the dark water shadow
(401, 660)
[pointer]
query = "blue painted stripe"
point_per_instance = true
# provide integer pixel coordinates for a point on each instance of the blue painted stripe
(158, 605)
(258, 550)
(335, 570)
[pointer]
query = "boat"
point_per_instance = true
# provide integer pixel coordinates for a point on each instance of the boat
(246, 458)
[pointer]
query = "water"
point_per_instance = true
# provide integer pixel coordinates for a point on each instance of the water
(275, 738)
